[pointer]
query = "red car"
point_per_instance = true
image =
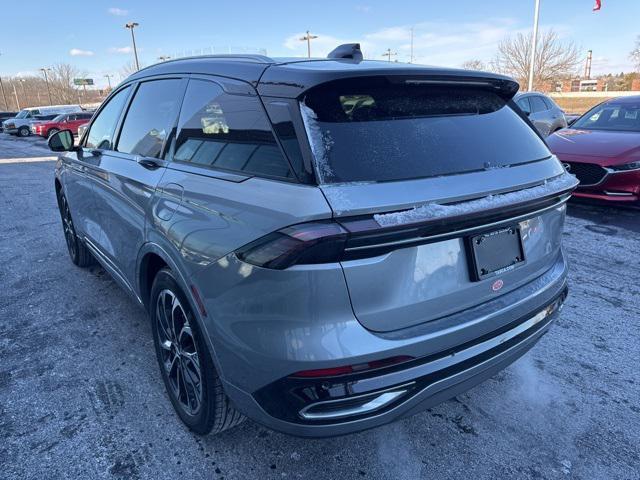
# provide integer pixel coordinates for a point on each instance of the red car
(602, 149)
(65, 121)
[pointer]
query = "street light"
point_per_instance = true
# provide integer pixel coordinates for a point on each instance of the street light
(131, 26)
(534, 43)
(108, 77)
(308, 37)
(164, 58)
(46, 79)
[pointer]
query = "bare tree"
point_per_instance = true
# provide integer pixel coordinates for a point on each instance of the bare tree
(555, 59)
(129, 69)
(635, 54)
(474, 64)
(61, 78)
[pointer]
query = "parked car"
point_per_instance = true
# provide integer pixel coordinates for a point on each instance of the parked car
(19, 125)
(5, 116)
(602, 149)
(81, 129)
(342, 250)
(69, 121)
(543, 112)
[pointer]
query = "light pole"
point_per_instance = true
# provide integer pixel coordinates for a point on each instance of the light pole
(164, 58)
(131, 26)
(108, 77)
(24, 91)
(388, 54)
(308, 37)
(46, 79)
(534, 43)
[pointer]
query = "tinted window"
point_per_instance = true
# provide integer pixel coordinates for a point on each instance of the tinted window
(548, 102)
(102, 130)
(150, 118)
(537, 105)
(226, 131)
(380, 129)
(523, 103)
(611, 116)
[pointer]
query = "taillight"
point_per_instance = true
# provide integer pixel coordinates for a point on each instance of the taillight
(347, 369)
(306, 243)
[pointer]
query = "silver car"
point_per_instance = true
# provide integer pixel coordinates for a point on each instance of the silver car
(323, 246)
(543, 112)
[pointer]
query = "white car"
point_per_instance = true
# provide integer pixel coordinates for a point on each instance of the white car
(21, 123)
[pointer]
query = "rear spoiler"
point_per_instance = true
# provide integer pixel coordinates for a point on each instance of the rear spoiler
(292, 80)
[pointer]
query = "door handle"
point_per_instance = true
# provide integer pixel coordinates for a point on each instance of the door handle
(149, 163)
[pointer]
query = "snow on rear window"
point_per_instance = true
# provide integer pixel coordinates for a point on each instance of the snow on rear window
(435, 210)
(320, 141)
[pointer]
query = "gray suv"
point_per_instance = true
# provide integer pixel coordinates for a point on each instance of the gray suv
(543, 112)
(325, 245)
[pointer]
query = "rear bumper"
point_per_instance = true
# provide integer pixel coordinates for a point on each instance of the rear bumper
(423, 382)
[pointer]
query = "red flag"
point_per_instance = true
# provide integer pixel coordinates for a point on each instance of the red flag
(597, 6)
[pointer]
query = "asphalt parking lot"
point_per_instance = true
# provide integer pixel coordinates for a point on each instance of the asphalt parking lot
(81, 395)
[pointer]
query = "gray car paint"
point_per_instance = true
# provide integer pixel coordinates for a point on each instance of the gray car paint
(546, 121)
(264, 324)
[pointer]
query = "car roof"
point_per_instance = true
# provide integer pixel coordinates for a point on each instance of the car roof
(289, 77)
(630, 100)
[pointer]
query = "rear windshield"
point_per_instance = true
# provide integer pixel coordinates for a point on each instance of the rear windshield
(383, 130)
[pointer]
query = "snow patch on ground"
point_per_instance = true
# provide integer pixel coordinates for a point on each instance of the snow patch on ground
(321, 142)
(436, 210)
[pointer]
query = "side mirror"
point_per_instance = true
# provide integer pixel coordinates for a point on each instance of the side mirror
(61, 141)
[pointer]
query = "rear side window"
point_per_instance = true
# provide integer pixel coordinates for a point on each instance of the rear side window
(383, 130)
(227, 131)
(150, 117)
(537, 104)
(102, 129)
(523, 103)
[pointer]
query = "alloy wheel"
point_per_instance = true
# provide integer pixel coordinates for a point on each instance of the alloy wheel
(178, 351)
(67, 225)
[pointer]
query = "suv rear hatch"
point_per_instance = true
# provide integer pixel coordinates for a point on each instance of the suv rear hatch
(420, 169)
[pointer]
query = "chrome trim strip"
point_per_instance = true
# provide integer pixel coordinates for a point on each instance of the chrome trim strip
(380, 400)
(618, 194)
(463, 231)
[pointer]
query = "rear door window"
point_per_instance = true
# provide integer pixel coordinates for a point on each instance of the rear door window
(375, 130)
(229, 132)
(537, 104)
(102, 129)
(150, 117)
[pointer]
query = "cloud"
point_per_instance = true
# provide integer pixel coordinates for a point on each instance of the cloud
(363, 8)
(118, 12)
(121, 50)
(77, 52)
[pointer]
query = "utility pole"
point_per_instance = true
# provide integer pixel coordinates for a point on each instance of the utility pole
(308, 37)
(15, 94)
(109, 79)
(411, 57)
(46, 79)
(388, 54)
(24, 91)
(131, 26)
(4, 96)
(534, 43)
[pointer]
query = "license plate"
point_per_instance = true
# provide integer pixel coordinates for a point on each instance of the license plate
(496, 252)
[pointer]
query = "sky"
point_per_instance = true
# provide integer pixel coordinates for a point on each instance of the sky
(91, 34)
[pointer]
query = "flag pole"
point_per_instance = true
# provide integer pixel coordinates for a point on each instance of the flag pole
(534, 43)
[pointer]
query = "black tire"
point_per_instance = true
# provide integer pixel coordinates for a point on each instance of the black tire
(183, 353)
(78, 252)
(24, 131)
(52, 131)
